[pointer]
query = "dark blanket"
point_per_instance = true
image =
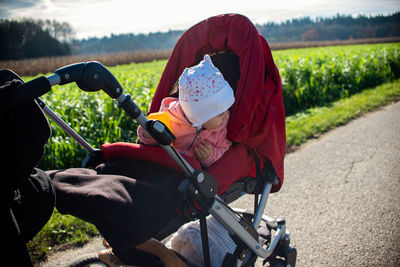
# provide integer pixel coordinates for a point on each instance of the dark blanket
(26, 193)
(128, 201)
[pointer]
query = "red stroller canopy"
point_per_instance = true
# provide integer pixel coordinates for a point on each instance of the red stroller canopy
(257, 118)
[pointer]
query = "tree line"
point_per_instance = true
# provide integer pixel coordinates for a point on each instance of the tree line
(339, 27)
(28, 38)
(37, 38)
(127, 42)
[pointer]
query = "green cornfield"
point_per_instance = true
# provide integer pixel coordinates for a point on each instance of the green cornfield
(311, 77)
(317, 76)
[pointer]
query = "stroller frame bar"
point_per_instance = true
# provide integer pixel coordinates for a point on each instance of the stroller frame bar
(55, 79)
(63, 125)
(227, 218)
(125, 102)
(261, 206)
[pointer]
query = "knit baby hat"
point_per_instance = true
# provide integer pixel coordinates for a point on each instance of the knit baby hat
(203, 92)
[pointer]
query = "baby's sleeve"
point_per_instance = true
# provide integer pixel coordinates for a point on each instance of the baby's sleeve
(217, 152)
(143, 139)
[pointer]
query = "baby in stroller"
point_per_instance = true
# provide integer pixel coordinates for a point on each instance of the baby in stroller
(200, 116)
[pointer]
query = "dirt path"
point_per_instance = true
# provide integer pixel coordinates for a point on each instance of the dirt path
(341, 195)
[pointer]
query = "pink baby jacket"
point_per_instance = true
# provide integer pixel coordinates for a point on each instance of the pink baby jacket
(187, 136)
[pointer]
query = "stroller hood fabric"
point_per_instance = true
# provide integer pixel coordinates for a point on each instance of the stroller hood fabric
(257, 117)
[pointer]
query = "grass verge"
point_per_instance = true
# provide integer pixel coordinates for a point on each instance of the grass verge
(60, 232)
(315, 121)
(70, 231)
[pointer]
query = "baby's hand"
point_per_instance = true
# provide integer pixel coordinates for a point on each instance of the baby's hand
(202, 151)
(145, 133)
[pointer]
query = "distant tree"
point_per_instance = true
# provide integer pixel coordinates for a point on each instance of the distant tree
(369, 32)
(62, 31)
(28, 39)
(310, 35)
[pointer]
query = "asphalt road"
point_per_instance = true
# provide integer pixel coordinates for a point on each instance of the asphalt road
(340, 198)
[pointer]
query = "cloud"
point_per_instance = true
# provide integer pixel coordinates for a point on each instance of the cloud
(103, 17)
(7, 6)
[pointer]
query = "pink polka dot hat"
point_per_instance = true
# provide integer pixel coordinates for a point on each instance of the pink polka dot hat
(203, 92)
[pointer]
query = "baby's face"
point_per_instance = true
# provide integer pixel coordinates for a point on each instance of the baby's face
(217, 121)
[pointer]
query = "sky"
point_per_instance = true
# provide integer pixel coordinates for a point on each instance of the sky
(98, 18)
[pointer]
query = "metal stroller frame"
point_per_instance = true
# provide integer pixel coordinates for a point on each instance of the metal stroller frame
(200, 186)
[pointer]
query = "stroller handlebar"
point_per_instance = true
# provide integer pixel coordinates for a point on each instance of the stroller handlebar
(90, 76)
(28, 91)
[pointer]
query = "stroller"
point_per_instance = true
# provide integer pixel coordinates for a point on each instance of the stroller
(254, 164)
